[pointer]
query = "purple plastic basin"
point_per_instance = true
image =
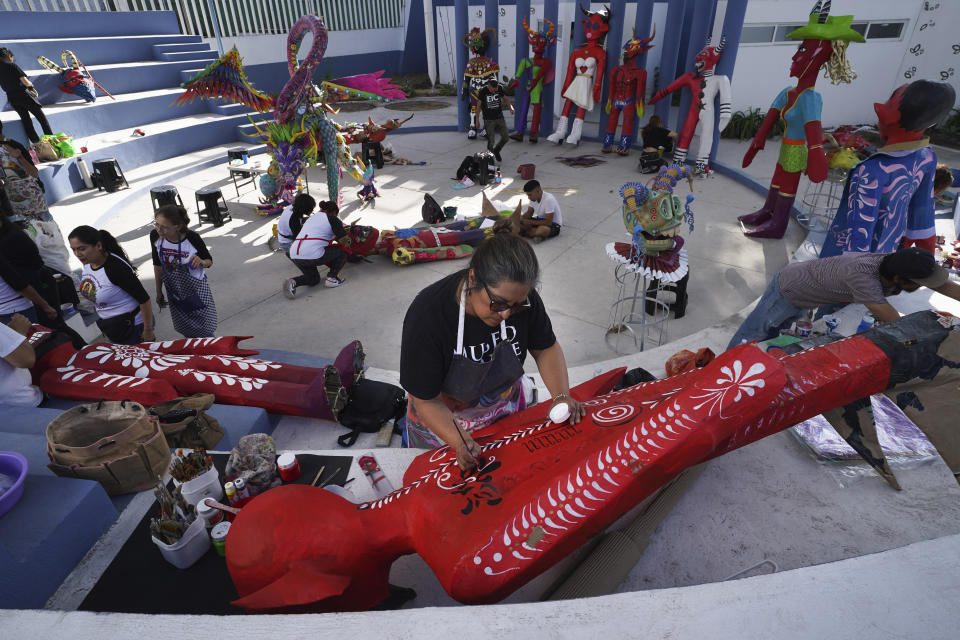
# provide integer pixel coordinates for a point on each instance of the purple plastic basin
(14, 465)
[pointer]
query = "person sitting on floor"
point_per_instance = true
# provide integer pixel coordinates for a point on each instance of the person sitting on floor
(865, 278)
(16, 358)
(656, 136)
(314, 247)
(542, 219)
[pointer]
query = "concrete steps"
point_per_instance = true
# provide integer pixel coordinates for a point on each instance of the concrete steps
(97, 50)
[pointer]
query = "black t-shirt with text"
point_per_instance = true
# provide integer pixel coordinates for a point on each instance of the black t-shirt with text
(430, 335)
(491, 102)
(657, 137)
(10, 74)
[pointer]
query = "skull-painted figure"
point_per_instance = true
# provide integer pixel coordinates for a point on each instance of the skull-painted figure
(533, 75)
(584, 76)
(479, 69)
(628, 84)
(704, 87)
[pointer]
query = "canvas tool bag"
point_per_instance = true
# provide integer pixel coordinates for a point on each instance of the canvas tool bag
(185, 422)
(118, 444)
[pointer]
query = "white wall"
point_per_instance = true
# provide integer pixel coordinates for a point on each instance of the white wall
(762, 69)
(265, 49)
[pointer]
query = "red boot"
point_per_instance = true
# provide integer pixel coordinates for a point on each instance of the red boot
(764, 214)
(776, 226)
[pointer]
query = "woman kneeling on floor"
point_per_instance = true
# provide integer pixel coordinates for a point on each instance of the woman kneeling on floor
(314, 247)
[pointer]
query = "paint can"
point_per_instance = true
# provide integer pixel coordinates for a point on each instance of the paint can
(804, 328)
(832, 323)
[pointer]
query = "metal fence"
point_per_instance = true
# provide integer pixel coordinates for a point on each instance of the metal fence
(240, 17)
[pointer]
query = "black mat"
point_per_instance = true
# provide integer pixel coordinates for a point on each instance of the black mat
(139, 580)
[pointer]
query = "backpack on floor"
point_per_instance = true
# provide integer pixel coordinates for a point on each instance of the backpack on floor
(470, 167)
(370, 405)
(431, 211)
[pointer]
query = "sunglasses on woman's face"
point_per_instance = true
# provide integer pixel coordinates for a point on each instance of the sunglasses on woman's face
(499, 306)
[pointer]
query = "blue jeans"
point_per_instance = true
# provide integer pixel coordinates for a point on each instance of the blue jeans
(30, 313)
(771, 314)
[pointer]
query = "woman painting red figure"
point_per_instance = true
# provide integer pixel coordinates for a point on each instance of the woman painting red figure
(825, 39)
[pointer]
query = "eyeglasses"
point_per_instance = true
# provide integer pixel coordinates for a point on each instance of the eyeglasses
(499, 306)
(162, 227)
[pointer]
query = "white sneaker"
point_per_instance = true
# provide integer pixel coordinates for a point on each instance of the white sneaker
(289, 288)
(333, 281)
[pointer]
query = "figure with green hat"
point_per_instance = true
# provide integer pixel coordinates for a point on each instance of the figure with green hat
(825, 39)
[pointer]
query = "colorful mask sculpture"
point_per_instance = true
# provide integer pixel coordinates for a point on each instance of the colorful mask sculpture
(704, 87)
(825, 40)
(76, 79)
(154, 372)
(543, 489)
(628, 85)
(532, 76)
(888, 198)
(585, 73)
(369, 191)
(479, 69)
(653, 217)
(355, 132)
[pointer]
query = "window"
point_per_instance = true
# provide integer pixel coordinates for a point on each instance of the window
(885, 30)
(860, 27)
(784, 29)
(755, 34)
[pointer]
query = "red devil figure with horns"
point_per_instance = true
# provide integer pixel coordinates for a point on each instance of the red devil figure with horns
(628, 84)
(534, 75)
(704, 86)
(584, 75)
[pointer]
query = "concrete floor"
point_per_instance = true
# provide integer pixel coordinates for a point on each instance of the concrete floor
(771, 500)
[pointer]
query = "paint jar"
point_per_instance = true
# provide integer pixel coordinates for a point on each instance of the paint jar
(288, 466)
(867, 322)
(832, 323)
(230, 490)
(218, 536)
(66, 308)
(378, 480)
(804, 328)
(210, 515)
(241, 487)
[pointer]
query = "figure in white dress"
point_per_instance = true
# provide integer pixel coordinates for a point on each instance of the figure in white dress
(584, 76)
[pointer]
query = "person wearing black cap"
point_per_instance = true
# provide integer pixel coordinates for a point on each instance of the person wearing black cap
(492, 101)
(865, 278)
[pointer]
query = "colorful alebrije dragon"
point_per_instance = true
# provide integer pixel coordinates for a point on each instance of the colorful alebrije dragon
(224, 78)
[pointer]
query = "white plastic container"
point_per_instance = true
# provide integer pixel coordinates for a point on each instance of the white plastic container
(205, 485)
(188, 549)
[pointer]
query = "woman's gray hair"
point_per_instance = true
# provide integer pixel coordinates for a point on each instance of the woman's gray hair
(505, 257)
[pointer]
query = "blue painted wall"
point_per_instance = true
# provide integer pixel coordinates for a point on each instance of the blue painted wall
(415, 41)
(29, 24)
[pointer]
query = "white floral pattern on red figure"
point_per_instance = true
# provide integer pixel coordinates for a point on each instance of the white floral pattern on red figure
(227, 379)
(137, 358)
(243, 363)
(186, 343)
(73, 374)
(734, 382)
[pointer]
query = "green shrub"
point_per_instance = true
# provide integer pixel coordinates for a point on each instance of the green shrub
(744, 125)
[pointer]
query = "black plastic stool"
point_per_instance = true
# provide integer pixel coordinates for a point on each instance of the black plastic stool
(108, 175)
(238, 153)
(164, 195)
(372, 151)
(214, 207)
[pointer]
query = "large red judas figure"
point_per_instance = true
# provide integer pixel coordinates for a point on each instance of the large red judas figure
(704, 87)
(628, 84)
(542, 489)
(535, 75)
(584, 76)
(825, 39)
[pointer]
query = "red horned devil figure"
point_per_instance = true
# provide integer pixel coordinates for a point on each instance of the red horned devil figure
(704, 86)
(543, 489)
(534, 75)
(584, 75)
(628, 84)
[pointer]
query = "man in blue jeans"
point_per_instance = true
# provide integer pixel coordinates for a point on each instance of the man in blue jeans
(865, 278)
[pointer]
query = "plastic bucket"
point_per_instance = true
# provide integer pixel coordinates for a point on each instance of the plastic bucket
(188, 549)
(205, 485)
